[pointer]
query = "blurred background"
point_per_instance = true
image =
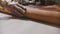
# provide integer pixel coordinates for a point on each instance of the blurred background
(37, 2)
(13, 25)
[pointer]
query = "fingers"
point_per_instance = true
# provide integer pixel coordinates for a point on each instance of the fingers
(15, 10)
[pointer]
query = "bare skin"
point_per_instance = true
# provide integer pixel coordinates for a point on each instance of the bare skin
(34, 13)
(48, 16)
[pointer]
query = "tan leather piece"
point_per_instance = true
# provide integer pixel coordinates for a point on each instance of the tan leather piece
(4, 10)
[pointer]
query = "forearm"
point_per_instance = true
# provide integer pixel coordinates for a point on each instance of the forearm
(48, 16)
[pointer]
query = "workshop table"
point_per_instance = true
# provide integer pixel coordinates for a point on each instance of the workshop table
(9, 25)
